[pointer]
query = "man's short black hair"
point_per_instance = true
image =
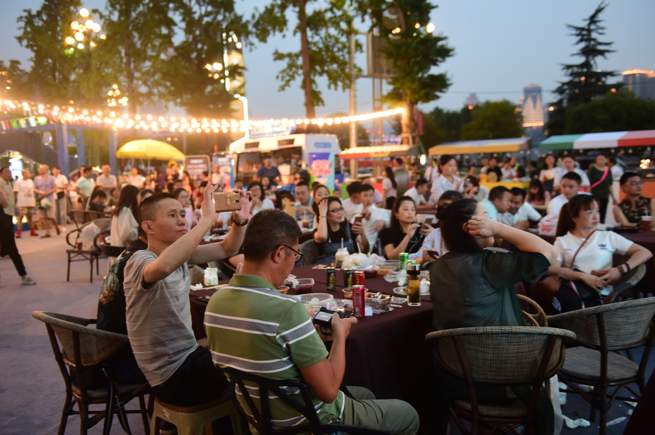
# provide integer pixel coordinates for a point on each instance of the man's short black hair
(399, 161)
(303, 183)
(517, 191)
(85, 169)
(626, 176)
(573, 176)
(238, 180)
(354, 188)
(148, 207)
(420, 182)
(57, 167)
(205, 173)
(568, 156)
(267, 230)
(612, 160)
(497, 193)
(450, 195)
(366, 188)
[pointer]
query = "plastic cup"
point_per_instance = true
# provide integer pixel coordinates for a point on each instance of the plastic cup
(646, 222)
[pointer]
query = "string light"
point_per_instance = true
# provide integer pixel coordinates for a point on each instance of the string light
(183, 124)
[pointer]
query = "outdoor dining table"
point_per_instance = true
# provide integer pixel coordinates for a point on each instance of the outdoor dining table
(385, 353)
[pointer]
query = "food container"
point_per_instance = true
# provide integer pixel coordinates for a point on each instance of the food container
(314, 301)
(283, 289)
(304, 285)
(380, 303)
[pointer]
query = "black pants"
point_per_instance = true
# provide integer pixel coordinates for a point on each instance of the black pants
(196, 381)
(566, 299)
(603, 208)
(8, 243)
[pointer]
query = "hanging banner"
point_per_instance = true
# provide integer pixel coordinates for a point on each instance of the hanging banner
(195, 166)
(226, 165)
(321, 167)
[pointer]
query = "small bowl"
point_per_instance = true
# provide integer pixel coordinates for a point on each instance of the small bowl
(381, 303)
(283, 289)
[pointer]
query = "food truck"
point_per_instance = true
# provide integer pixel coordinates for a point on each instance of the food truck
(315, 153)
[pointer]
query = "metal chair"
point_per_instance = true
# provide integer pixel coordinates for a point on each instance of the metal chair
(498, 356)
(80, 352)
(603, 332)
(90, 255)
(259, 416)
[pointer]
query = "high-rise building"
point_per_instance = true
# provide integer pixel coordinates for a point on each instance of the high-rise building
(471, 101)
(641, 82)
(533, 111)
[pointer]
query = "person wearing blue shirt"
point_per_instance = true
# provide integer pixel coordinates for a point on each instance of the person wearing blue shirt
(270, 171)
(499, 201)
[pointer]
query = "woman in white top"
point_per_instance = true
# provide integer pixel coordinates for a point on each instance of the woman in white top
(389, 187)
(547, 175)
(447, 180)
(124, 219)
(258, 204)
(592, 274)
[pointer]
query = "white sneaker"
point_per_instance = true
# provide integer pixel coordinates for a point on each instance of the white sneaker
(26, 280)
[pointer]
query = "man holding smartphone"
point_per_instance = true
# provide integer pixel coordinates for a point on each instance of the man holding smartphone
(157, 284)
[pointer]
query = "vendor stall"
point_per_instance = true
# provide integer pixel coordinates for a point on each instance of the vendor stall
(374, 156)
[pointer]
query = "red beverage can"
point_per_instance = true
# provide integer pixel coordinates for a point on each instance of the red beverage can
(359, 300)
(359, 278)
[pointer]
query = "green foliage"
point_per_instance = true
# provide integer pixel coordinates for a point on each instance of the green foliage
(617, 111)
(585, 81)
(134, 39)
(342, 132)
(447, 125)
(193, 38)
(14, 81)
(413, 53)
(42, 32)
(324, 47)
(493, 120)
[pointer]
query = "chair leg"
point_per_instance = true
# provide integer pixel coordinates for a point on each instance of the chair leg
(91, 270)
(144, 414)
(68, 274)
(109, 410)
(602, 400)
(68, 405)
(84, 416)
(97, 265)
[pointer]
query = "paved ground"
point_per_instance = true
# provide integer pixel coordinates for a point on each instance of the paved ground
(31, 387)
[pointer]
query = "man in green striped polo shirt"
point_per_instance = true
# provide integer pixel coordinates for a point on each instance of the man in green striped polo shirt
(253, 328)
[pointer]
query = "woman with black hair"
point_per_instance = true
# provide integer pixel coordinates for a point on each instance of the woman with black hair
(591, 252)
(333, 233)
(389, 187)
(403, 235)
(258, 201)
(538, 197)
(124, 220)
(447, 180)
(471, 286)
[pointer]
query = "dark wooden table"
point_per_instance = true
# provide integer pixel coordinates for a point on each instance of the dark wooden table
(386, 352)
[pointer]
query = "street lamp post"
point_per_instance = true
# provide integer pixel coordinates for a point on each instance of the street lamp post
(244, 100)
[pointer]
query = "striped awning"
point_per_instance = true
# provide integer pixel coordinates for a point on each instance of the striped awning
(380, 151)
(615, 139)
(482, 146)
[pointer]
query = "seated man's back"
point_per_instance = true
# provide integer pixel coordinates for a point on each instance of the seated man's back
(257, 330)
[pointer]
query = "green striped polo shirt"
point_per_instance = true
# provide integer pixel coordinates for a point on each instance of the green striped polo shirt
(253, 328)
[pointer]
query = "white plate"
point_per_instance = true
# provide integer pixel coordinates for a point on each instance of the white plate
(402, 291)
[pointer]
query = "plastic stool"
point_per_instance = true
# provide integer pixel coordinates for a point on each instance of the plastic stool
(191, 420)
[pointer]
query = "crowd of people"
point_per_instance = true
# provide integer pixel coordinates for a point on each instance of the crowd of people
(161, 221)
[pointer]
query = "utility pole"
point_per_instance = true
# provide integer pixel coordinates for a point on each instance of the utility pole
(353, 101)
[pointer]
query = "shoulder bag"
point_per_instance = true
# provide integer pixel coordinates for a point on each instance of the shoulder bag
(548, 285)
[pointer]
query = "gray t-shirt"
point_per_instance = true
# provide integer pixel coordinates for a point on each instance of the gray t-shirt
(103, 181)
(158, 318)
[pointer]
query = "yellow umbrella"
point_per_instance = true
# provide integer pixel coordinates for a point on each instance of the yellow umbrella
(149, 149)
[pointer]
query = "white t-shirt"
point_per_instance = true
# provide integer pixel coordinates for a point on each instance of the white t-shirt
(61, 181)
(508, 174)
(617, 172)
(525, 212)
(24, 193)
(377, 214)
(388, 186)
(555, 205)
(433, 242)
(441, 185)
(135, 180)
(596, 254)
(350, 209)
(103, 181)
(562, 172)
(413, 193)
(266, 204)
(548, 174)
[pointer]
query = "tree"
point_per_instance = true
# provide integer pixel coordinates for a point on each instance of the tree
(42, 32)
(134, 39)
(493, 120)
(586, 81)
(324, 44)
(15, 81)
(413, 51)
(195, 36)
(342, 132)
(448, 123)
(617, 111)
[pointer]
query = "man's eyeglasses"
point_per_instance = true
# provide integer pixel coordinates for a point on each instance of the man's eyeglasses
(298, 254)
(337, 210)
(636, 183)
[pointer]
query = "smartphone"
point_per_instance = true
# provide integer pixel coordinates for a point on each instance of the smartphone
(428, 220)
(290, 209)
(433, 254)
(226, 201)
(358, 219)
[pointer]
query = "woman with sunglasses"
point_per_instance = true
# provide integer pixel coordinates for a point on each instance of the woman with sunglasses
(333, 232)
